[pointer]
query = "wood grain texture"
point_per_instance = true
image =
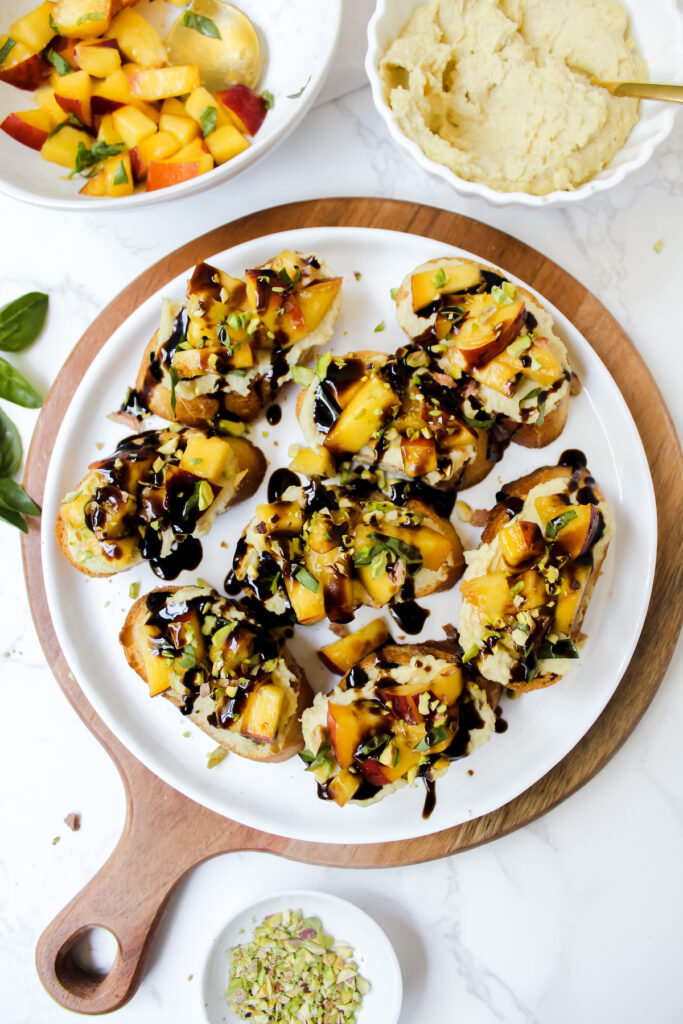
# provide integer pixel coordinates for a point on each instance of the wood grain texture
(185, 833)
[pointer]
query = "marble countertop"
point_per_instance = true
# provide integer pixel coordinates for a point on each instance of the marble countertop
(576, 917)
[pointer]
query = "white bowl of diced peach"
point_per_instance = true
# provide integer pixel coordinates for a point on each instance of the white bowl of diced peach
(95, 115)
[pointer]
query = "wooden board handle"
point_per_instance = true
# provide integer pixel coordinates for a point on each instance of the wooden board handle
(130, 893)
(128, 897)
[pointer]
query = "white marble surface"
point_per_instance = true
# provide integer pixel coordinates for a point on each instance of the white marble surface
(574, 918)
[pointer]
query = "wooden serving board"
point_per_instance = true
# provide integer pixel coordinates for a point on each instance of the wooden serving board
(185, 833)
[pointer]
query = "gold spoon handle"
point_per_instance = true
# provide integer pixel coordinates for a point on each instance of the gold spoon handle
(644, 90)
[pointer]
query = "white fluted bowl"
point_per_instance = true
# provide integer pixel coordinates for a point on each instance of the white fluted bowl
(657, 30)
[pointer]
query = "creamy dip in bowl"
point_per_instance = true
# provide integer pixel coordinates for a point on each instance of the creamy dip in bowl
(495, 96)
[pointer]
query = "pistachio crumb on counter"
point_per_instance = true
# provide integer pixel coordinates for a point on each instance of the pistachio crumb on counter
(292, 971)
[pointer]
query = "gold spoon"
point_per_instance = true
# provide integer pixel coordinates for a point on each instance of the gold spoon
(220, 40)
(642, 90)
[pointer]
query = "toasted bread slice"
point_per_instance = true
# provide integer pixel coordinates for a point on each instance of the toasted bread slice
(528, 586)
(321, 551)
(201, 691)
(125, 509)
(403, 709)
(497, 336)
(234, 342)
(396, 414)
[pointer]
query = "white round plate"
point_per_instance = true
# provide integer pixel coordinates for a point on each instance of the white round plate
(281, 798)
(373, 953)
(298, 41)
(656, 27)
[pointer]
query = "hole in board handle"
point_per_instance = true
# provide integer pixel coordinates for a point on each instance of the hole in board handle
(86, 960)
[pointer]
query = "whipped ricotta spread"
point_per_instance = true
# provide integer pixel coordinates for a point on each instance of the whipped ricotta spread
(500, 91)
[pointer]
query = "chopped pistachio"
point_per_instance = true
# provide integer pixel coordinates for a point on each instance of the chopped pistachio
(292, 971)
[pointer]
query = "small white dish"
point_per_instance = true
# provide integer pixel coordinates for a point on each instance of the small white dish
(373, 953)
(657, 31)
(298, 41)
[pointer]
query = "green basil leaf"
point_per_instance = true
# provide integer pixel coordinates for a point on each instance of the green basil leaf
(98, 152)
(90, 16)
(71, 120)
(380, 739)
(558, 523)
(120, 178)
(483, 424)
(173, 374)
(560, 649)
(283, 274)
(61, 66)
(15, 388)
(14, 498)
(7, 48)
(10, 446)
(541, 414)
(201, 24)
(295, 95)
(188, 658)
(209, 119)
(304, 577)
(22, 321)
(14, 519)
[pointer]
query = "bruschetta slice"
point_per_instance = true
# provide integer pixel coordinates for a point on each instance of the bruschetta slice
(405, 711)
(153, 498)
(495, 339)
(396, 413)
(321, 552)
(231, 345)
(222, 668)
(528, 585)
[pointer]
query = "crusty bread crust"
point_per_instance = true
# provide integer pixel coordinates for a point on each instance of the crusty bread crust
(530, 435)
(474, 471)
(198, 411)
(250, 460)
(287, 744)
(498, 517)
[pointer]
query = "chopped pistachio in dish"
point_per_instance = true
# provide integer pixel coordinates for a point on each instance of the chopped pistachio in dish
(292, 971)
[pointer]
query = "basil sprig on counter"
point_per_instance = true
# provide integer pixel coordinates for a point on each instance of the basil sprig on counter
(21, 322)
(15, 388)
(10, 447)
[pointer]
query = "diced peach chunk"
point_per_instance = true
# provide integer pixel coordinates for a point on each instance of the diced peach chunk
(246, 108)
(132, 125)
(225, 143)
(30, 127)
(73, 94)
(99, 59)
(184, 129)
(490, 594)
(343, 654)
(34, 29)
(155, 147)
(138, 40)
(163, 173)
(62, 148)
(163, 83)
(82, 18)
(199, 101)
